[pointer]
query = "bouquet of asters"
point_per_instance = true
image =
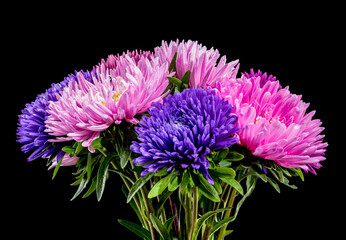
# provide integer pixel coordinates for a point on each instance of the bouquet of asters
(187, 135)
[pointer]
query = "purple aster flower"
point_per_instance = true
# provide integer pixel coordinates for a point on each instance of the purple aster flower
(264, 77)
(31, 126)
(180, 132)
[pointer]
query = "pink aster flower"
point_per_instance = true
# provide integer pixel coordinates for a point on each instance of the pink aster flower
(205, 65)
(66, 161)
(275, 124)
(86, 109)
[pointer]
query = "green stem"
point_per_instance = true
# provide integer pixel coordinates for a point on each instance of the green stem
(227, 214)
(148, 207)
(187, 215)
(207, 231)
(135, 198)
(194, 210)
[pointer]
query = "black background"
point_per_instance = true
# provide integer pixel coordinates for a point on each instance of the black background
(299, 45)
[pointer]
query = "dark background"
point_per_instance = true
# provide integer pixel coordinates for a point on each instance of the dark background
(299, 45)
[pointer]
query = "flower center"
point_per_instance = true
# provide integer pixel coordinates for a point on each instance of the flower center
(267, 113)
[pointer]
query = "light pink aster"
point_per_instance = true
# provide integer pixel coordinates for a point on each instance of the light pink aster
(275, 123)
(66, 161)
(86, 109)
(205, 65)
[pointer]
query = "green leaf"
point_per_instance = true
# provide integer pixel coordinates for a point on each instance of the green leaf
(174, 184)
(208, 190)
(185, 78)
(137, 185)
(169, 222)
(162, 172)
(88, 167)
(79, 148)
(234, 156)
(185, 180)
(221, 223)
(56, 169)
(225, 163)
(102, 175)
(159, 206)
(137, 229)
(223, 172)
(274, 184)
(221, 154)
(68, 150)
(160, 228)
(172, 65)
(96, 144)
(132, 203)
(91, 188)
(234, 183)
(124, 155)
(175, 81)
(202, 219)
(161, 185)
(81, 187)
(250, 187)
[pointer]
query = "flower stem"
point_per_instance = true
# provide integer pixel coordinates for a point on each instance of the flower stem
(194, 210)
(227, 214)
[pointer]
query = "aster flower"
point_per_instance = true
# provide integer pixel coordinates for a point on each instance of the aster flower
(275, 123)
(86, 109)
(183, 130)
(264, 77)
(31, 126)
(65, 161)
(205, 65)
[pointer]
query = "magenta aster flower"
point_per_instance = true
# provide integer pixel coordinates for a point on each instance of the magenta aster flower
(264, 77)
(86, 109)
(275, 124)
(205, 65)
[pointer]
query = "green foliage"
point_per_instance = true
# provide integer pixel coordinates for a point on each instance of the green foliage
(161, 185)
(136, 229)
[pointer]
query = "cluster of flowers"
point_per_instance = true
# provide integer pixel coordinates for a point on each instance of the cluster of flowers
(217, 111)
(179, 117)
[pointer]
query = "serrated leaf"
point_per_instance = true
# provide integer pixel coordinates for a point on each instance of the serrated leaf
(102, 175)
(160, 228)
(202, 219)
(137, 229)
(161, 185)
(138, 184)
